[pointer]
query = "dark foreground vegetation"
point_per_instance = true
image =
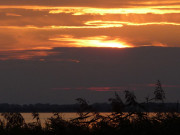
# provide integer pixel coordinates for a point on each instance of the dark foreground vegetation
(136, 121)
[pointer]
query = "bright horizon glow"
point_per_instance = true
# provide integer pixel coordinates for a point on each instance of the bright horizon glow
(100, 41)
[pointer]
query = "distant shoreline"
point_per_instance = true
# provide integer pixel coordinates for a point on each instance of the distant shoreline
(99, 107)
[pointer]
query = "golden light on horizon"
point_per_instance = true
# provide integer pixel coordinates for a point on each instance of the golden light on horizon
(98, 41)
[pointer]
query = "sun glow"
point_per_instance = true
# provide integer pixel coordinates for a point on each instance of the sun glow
(100, 41)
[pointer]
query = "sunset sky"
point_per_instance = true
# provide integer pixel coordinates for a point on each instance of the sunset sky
(54, 51)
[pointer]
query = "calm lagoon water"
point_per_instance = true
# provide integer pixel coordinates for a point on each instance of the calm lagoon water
(67, 116)
(44, 116)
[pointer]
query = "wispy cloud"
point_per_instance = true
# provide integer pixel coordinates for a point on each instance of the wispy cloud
(104, 11)
(134, 87)
(120, 23)
(100, 89)
(12, 14)
(90, 3)
(24, 55)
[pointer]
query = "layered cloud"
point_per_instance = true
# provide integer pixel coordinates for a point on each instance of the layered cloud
(47, 24)
(90, 3)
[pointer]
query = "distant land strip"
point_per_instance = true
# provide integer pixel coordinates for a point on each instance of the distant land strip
(99, 107)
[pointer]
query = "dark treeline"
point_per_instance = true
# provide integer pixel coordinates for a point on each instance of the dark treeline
(100, 107)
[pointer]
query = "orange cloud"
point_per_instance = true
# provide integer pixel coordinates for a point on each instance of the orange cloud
(12, 14)
(63, 27)
(89, 3)
(104, 11)
(24, 54)
(101, 23)
(120, 23)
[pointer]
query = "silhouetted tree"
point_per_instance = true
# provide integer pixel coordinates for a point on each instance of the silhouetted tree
(159, 92)
(130, 98)
(131, 103)
(117, 104)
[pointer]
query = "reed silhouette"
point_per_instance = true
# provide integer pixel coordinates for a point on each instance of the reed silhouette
(127, 118)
